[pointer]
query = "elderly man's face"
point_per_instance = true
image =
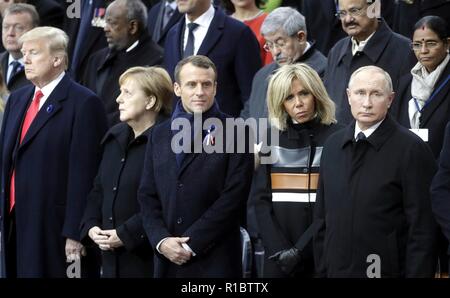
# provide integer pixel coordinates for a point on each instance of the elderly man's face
(356, 23)
(117, 25)
(369, 98)
(285, 49)
(40, 65)
(197, 88)
(13, 27)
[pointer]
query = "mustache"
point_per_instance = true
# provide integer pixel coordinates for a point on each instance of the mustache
(351, 24)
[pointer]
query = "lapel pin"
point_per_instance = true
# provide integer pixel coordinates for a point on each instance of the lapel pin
(49, 108)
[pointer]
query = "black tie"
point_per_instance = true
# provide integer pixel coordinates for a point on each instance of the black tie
(16, 67)
(360, 136)
(189, 50)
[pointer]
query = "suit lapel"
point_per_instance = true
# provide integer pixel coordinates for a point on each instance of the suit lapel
(18, 110)
(50, 108)
(214, 33)
(173, 20)
(439, 98)
(158, 24)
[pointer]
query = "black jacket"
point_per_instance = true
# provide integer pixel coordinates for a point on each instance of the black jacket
(435, 114)
(105, 67)
(373, 198)
(112, 204)
(285, 211)
(18, 80)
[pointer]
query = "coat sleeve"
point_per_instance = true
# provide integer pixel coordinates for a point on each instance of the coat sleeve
(319, 220)
(268, 225)
(93, 212)
(132, 233)
(440, 187)
(89, 126)
(151, 206)
(247, 62)
(226, 212)
(418, 170)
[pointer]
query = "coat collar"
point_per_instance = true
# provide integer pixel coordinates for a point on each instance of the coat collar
(374, 47)
(377, 139)
(50, 108)
(123, 134)
(112, 54)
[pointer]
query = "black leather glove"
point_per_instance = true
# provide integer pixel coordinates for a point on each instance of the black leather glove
(287, 259)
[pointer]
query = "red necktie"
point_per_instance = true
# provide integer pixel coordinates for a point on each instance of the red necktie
(32, 111)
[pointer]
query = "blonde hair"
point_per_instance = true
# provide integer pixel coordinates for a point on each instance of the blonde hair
(56, 39)
(280, 88)
(154, 81)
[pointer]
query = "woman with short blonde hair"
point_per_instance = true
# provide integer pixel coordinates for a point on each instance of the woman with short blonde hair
(285, 191)
(279, 89)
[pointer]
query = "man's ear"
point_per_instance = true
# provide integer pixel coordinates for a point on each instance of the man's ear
(391, 99)
(177, 89)
(301, 35)
(57, 60)
(133, 27)
(348, 96)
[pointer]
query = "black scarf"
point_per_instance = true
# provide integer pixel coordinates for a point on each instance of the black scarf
(180, 112)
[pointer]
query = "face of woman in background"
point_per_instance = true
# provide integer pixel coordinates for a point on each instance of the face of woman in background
(429, 49)
(299, 104)
(133, 102)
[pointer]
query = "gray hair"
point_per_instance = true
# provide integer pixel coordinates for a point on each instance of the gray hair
(55, 38)
(17, 8)
(285, 18)
(136, 10)
(373, 68)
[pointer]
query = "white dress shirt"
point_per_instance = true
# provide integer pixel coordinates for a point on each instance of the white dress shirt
(203, 22)
(48, 89)
(366, 132)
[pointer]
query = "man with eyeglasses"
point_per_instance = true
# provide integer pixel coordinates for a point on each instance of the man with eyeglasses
(370, 41)
(285, 33)
(18, 19)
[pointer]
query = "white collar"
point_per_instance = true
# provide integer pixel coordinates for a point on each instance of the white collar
(48, 89)
(367, 132)
(358, 46)
(132, 46)
(205, 19)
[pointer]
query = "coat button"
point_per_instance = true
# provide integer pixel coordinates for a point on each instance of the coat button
(114, 188)
(110, 218)
(142, 236)
(180, 185)
(122, 160)
(179, 220)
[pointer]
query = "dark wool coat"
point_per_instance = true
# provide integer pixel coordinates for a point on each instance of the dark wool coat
(112, 204)
(55, 166)
(373, 198)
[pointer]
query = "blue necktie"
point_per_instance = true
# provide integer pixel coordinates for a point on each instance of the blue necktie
(189, 50)
(86, 17)
(361, 136)
(17, 67)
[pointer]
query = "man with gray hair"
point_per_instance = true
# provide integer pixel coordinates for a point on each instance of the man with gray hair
(284, 30)
(17, 20)
(50, 150)
(129, 45)
(373, 210)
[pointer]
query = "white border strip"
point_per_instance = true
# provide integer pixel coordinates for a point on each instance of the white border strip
(293, 197)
